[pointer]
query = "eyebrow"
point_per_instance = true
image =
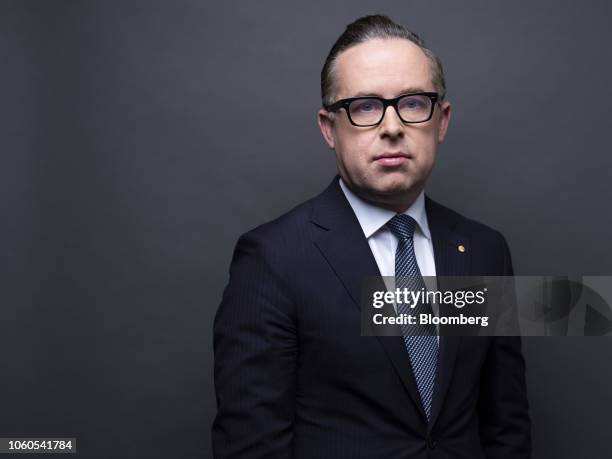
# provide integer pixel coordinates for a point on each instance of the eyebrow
(403, 91)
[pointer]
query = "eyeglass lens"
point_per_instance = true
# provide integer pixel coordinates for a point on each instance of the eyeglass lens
(412, 109)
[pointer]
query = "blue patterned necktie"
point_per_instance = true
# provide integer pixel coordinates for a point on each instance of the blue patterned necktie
(420, 340)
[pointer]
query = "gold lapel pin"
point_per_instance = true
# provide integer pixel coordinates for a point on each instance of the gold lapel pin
(461, 248)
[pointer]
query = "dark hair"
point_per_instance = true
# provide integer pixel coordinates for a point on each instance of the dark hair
(369, 28)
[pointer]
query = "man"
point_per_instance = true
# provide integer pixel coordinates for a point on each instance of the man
(293, 375)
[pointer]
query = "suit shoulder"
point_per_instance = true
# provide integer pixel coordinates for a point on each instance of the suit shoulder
(284, 225)
(283, 238)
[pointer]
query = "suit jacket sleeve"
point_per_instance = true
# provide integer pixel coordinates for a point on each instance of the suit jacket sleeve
(505, 427)
(255, 348)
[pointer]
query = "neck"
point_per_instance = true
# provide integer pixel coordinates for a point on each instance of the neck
(394, 203)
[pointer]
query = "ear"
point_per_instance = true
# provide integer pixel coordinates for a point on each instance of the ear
(326, 125)
(445, 115)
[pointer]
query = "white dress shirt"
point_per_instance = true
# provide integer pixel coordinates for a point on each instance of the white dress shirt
(383, 242)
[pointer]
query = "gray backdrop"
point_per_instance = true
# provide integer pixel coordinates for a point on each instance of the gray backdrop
(140, 139)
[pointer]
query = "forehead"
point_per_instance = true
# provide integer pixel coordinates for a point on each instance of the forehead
(383, 67)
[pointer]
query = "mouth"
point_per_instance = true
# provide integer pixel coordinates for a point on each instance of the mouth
(391, 159)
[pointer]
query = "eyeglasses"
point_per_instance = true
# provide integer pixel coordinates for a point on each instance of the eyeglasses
(370, 111)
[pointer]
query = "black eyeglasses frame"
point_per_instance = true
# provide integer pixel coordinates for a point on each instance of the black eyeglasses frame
(344, 103)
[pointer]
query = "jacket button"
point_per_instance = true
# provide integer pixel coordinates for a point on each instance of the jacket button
(431, 443)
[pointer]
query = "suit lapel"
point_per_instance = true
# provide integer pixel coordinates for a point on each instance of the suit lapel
(344, 246)
(450, 261)
(346, 249)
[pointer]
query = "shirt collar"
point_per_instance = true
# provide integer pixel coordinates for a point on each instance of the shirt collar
(372, 218)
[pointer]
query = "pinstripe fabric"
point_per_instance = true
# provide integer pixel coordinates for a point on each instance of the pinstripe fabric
(420, 340)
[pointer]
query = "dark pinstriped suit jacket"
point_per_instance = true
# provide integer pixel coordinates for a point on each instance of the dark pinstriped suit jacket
(294, 378)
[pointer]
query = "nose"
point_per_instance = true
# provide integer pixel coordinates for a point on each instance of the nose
(391, 124)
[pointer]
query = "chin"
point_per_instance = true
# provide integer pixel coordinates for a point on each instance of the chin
(397, 185)
(397, 191)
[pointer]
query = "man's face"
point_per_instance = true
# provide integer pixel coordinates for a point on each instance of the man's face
(386, 164)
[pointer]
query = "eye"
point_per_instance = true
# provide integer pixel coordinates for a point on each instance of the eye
(413, 103)
(365, 106)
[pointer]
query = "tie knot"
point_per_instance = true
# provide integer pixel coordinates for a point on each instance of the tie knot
(402, 226)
